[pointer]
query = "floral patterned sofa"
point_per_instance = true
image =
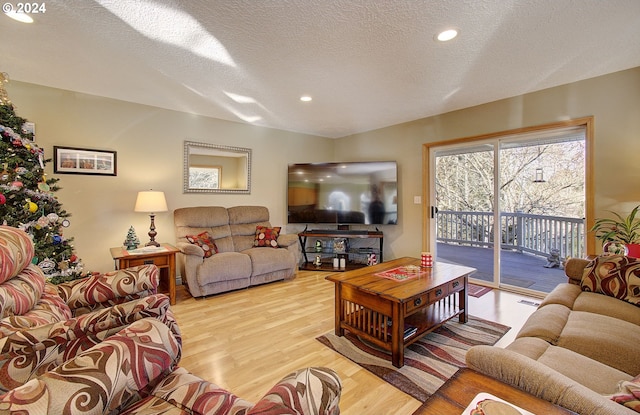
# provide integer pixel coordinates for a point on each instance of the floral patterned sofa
(135, 372)
(44, 325)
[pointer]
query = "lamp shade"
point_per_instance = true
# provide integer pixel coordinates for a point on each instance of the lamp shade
(151, 201)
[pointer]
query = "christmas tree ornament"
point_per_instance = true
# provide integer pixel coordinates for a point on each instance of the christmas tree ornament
(53, 217)
(4, 175)
(47, 265)
(63, 265)
(57, 239)
(43, 186)
(3, 199)
(43, 221)
(30, 206)
(17, 184)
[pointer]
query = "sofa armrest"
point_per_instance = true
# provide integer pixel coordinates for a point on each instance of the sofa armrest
(540, 380)
(104, 379)
(292, 243)
(190, 249)
(28, 353)
(312, 391)
(105, 290)
(573, 269)
(287, 239)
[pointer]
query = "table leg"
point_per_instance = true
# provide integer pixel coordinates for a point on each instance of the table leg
(462, 301)
(172, 279)
(397, 336)
(339, 312)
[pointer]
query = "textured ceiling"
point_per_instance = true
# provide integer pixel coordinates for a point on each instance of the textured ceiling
(366, 63)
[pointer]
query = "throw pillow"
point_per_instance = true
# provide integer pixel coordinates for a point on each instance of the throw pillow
(266, 237)
(628, 394)
(204, 241)
(613, 275)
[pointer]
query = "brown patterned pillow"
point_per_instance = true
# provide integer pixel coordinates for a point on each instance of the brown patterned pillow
(204, 241)
(613, 275)
(266, 236)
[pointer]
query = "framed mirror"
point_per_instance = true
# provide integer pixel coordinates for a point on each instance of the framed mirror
(211, 168)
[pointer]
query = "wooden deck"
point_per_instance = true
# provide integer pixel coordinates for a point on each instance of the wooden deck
(518, 269)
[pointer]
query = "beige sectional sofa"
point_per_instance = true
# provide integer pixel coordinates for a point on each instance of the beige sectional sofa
(238, 263)
(578, 346)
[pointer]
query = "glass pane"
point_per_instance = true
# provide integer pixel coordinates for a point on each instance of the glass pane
(464, 188)
(542, 209)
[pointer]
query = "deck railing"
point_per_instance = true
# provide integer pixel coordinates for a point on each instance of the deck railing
(522, 232)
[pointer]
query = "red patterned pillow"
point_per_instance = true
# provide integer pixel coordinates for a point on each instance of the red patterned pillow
(613, 275)
(204, 241)
(266, 236)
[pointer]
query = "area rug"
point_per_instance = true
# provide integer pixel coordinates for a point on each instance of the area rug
(477, 291)
(428, 363)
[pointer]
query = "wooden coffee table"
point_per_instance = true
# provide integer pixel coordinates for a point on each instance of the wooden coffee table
(394, 313)
(458, 392)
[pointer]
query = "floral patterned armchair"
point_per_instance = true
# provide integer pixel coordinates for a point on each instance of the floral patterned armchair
(135, 372)
(44, 325)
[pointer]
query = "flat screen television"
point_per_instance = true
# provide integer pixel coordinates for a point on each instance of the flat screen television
(343, 193)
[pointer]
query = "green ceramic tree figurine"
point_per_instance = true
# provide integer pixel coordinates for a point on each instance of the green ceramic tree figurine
(131, 241)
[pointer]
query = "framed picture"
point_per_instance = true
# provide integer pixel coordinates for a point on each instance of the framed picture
(71, 160)
(204, 177)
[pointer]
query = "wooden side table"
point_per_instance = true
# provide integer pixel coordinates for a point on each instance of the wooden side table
(458, 392)
(164, 259)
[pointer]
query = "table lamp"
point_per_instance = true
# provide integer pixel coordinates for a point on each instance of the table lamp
(151, 202)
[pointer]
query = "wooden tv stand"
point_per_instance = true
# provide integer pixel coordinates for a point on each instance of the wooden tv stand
(328, 253)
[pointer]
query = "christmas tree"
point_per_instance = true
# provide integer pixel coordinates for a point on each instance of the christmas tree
(27, 198)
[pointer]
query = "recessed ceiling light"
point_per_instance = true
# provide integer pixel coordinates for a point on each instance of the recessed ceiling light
(305, 98)
(447, 35)
(21, 17)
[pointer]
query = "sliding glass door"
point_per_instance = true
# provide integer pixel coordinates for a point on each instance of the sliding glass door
(512, 207)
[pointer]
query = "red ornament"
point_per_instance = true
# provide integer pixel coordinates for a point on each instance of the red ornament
(73, 258)
(3, 199)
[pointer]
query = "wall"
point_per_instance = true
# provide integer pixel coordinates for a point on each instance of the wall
(614, 101)
(149, 145)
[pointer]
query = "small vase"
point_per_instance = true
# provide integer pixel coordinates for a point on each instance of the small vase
(615, 248)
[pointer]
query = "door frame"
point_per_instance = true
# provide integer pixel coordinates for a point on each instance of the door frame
(586, 122)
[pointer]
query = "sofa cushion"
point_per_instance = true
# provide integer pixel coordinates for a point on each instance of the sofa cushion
(595, 375)
(614, 275)
(16, 252)
(182, 392)
(204, 241)
(269, 260)
(224, 266)
(571, 296)
(605, 339)
(266, 237)
(546, 323)
(607, 306)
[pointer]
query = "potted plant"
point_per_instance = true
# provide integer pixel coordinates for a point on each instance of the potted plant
(619, 235)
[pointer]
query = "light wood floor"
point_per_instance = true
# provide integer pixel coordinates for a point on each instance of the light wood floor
(247, 340)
